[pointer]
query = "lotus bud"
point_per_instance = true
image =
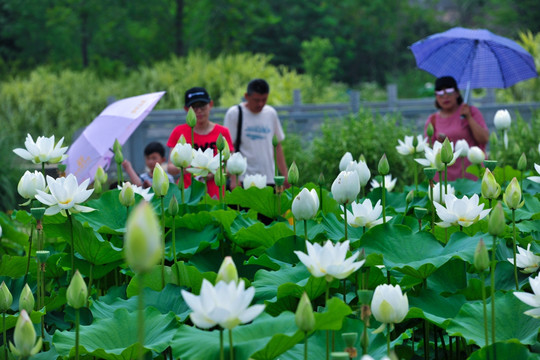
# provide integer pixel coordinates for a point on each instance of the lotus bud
(275, 141)
(430, 172)
(191, 118)
(127, 195)
(6, 299)
(98, 188)
(463, 147)
(522, 162)
(383, 167)
(77, 292)
(490, 164)
(305, 205)
(24, 338)
(493, 139)
(446, 152)
(497, 222)
(293, 174)
(430, 130)
(181, 139)
(160, 182)
(419, 212)
(173, 207)
(101, 175)
(181, 155)
(345, 160)
(410, 197)
(476, 155)
(490, 188)
(512, 195)
(439, 165)
(226, 153)
(220, 142)
(321, 180)
(502, 119)
(237, 164)
(117, 149)
(227, 271)
(220, 178)
(142, 246)
(346, 187)
(481, 258)
(415, 142)
(304, 317)
(26, 300)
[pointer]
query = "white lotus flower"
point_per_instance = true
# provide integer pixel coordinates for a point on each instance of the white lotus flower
(361, 169)
(463, 147)
(345, 160)
(531, 299)
(24, 337)
(256, 180)
(204, 163)
(389, 305)
(329, 260)
(43, 150)
(437, 192)
(502, 119)
(226, 305)
(145, 193)
(476, 155)
(346, 187)
(526, 260)
(389, 183)
(536, 179)
(305, 205)
(433, 156)
(406, 147)
(29, 184)
(464, 211)
(182, 155)
(66, 194)
(364, 214)
(237, 164)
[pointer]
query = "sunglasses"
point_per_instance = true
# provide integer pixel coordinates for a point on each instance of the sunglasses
(445, 91)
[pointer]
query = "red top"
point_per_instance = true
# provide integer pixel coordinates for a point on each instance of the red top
(202, 142)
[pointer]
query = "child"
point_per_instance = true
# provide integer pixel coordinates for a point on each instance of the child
(153, 153)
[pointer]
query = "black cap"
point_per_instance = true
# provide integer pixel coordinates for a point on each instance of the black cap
(445, 82)
(196, 94)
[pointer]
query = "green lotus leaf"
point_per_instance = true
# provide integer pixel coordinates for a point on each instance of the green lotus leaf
(166, 300)
(189, 242)
(35, 316)
(467, 187)
(261, 237)
(264, 201)
(510, 321)
(530, 208)
(15, 266)
(528, 226)
(266, 282)
(439, 310)
(192, 196)
(10, 232)
(289, 293)
(116, 338)
(334, 228)
(505, 350)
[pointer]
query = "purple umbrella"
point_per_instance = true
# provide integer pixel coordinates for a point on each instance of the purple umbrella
(475, 58)
(119, 120)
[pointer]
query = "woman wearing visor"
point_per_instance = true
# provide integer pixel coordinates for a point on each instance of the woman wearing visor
(456, 120)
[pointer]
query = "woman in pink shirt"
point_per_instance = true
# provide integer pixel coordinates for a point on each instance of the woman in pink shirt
(456, 120)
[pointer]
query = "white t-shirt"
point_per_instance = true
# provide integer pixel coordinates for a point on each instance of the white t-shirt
(256, 143)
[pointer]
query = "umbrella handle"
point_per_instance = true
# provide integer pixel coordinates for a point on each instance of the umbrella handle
(467, 92)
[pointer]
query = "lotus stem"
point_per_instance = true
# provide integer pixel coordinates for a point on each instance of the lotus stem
(445, 181)
(70, 219)
(415, 173)
(383, 188)
(494, 248)
(174, 249)
(514, 247)
(432, 207)
(231, 347)
(305, 230)
(221, 350)
(77, 332)
(486, 334)
(388, 341)
(305, 346)
(162, 202)
(120, 173)
(326, 295)
(29, 254)
(140, 318)
(181, 184)
(294, 220)
(4, 335)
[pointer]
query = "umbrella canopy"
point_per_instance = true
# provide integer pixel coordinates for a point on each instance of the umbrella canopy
(475, 58)
(93, 148)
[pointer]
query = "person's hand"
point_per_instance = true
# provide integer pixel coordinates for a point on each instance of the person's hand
(441, 137)
(146, 184)
(126, 164)
(465, 111)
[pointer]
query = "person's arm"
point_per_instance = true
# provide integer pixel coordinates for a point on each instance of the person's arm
(171, 169)
(479, 133)
(281, 163)
(134, 177)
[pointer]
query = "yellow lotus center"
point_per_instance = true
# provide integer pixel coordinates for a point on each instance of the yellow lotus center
(65, 202)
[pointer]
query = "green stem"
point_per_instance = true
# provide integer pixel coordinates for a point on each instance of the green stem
(140, 318)
(326, 295)
(305, 346)
(70, 218)
(432, 207)
(120, 174)
(43, 168)
(388, 341)
(445, 181)
(440, 186)
(162, 201)
(486, 334)
(415, 173)
(4, 335)
(181, 184)
(231, 347)
(514, 247)
(90, 281)
(174, 250)
(221, 350)
(305, 229)
(294, 219)
(494, 248)
(29, 254)
(383, 188)
(77, 323)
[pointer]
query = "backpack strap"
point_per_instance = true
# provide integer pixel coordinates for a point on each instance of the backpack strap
(238, 130)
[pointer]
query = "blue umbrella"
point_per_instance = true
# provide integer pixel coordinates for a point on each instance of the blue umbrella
(475, 58)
